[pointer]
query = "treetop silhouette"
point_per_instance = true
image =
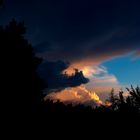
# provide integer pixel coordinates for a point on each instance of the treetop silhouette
(23, 87)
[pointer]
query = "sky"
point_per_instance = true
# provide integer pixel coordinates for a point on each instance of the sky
(101, 38)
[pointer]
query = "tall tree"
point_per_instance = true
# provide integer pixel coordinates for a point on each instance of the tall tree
(23, 87)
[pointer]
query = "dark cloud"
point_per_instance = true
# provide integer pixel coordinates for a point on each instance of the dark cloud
(52, 73)
(82, 29)
(90, 31)
(42, 47)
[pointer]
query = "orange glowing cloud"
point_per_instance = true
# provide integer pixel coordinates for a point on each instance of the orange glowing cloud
(76, 95)
(88, 71)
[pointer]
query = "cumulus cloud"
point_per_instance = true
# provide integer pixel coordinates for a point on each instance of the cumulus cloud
(76, 95)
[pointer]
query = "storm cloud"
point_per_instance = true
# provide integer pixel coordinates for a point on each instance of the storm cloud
(56, 80)
(80, 30)
(90, 32)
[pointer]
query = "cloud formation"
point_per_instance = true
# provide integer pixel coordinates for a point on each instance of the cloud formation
(83, 32)
(55, 79)
(76, 95)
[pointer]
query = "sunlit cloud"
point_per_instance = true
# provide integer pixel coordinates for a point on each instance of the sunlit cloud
(76, 95)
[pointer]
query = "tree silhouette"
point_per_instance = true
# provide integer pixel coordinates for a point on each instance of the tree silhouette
(129, 104)
(134, 97)
(23, 87)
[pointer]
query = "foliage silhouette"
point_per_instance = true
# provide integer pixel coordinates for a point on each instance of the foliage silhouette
(23, 87)
(129, 104)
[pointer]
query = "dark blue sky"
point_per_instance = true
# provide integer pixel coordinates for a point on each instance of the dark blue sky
(84, 32)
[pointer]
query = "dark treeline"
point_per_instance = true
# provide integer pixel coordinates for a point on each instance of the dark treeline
(23, 89)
